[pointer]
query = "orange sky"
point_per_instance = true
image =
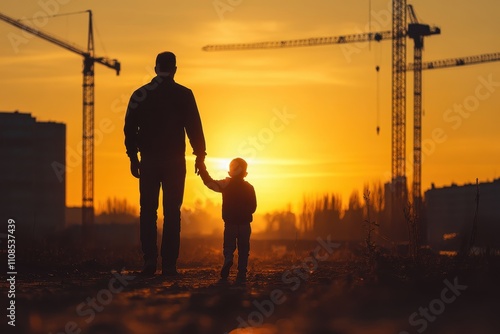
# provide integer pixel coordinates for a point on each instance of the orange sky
(304, 118)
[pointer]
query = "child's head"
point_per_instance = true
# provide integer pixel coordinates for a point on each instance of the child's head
(238, 168)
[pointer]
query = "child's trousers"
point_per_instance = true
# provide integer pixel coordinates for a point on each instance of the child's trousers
(237, 236)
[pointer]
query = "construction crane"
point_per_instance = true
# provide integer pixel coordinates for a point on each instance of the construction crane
(398, 36)
(417, 31)
(398, 144)
(89, 59)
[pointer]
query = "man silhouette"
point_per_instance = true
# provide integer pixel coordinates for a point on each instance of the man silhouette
(158, 117)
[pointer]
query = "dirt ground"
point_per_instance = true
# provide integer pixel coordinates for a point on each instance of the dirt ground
(311, 288)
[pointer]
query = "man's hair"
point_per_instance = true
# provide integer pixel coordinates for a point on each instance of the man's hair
(238, 167)
(165, 61)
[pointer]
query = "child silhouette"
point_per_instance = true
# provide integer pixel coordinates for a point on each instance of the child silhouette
(238, 204)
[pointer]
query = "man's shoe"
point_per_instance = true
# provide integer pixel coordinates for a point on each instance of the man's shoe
(224, 273)
(148, 271)
(222, 281)
(169, 271)
(241, 279)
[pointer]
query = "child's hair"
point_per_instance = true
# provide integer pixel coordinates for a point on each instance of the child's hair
(238, 167)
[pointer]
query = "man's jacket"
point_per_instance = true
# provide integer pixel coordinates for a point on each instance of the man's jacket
(158, 117)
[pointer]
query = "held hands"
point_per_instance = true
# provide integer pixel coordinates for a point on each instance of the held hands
(135, 167)
(199, 164)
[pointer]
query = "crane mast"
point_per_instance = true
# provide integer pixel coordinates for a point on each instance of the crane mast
(417, 31)
(88, 131)
(89, 60)
(398, 147)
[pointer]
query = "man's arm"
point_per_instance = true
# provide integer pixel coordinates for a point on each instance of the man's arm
(131, 135)
(194, 130)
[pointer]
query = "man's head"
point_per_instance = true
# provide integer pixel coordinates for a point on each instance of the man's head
(165, 64)
(238, 168)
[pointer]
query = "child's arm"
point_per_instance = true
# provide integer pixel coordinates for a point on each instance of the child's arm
(211, 183)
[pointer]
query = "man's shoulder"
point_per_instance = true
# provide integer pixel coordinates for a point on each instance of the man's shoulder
(144, 88)
(157, 82)
(140, 89)
(182, 88)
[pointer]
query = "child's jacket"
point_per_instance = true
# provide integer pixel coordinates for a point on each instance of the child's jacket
(238, 198)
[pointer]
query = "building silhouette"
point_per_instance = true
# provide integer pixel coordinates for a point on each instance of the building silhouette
(451, 211)
(32, 178)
